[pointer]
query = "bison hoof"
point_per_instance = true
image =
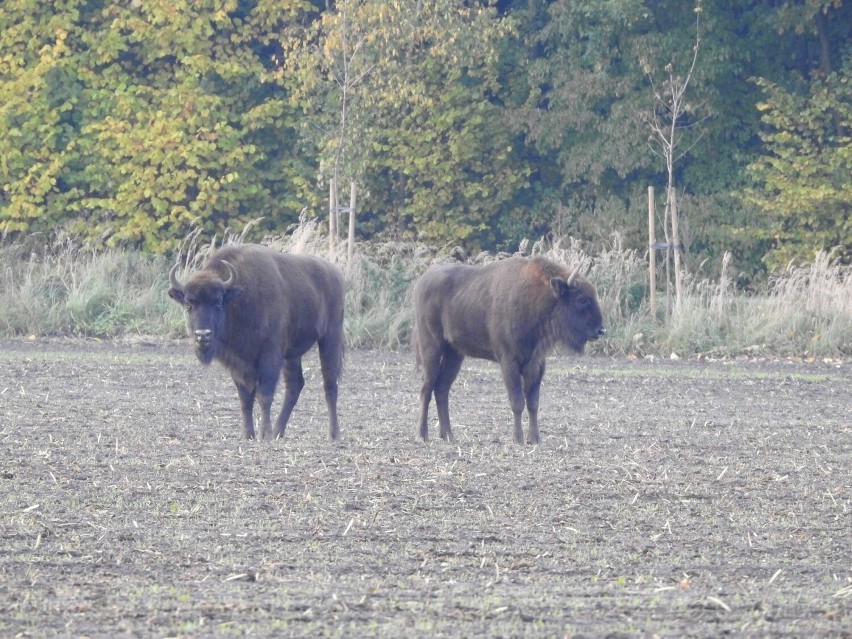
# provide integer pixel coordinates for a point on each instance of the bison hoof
(532, 437)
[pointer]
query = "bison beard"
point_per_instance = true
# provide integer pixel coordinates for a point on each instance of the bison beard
(512, 312)
(258, 311)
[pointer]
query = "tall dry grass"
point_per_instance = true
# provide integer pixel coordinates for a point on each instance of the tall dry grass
(806, 309)
(60, 288)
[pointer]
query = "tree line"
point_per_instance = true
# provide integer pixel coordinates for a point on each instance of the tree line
(131, 122)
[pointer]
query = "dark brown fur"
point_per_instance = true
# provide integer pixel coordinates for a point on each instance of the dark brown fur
(278, 306)
(513, 312)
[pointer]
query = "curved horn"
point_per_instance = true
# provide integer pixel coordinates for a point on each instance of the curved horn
(571, 277)
(233, 276)
(173, 280)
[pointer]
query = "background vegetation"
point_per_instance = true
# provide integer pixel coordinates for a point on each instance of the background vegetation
(130, 123)
(66, 289)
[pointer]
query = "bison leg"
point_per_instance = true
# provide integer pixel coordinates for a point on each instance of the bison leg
(533, 375)
(512, 378)
(247, 408)
(331, 362)
(448, 370)
(269, 374)
(294, 382)
(430, 359)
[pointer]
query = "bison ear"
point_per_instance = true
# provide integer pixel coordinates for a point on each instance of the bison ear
(232, 293)
(560, 287)
(177, 295)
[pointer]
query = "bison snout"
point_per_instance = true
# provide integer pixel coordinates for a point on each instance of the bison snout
(601, 332)
(203, 335)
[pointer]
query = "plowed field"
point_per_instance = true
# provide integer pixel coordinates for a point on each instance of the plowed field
(669, 499)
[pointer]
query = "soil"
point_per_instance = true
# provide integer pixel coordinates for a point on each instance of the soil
(667, 498)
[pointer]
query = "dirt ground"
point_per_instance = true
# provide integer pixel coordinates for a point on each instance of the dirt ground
(667, 499)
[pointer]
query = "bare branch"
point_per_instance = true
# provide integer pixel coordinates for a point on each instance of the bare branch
(667, 134)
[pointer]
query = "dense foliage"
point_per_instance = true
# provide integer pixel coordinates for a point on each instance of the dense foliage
(477, 123)
(126, 122)
(804, 183)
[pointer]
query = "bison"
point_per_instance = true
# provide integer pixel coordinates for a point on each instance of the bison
(257, 310)
(512, 311)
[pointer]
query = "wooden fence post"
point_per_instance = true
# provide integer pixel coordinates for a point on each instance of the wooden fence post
(332, 215)
(652, 252)
(350, 248)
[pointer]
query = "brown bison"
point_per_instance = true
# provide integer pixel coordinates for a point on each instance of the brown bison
(514, 312)
(256, 311)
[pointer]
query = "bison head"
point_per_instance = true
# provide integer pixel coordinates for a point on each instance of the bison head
(205, 296)
(577, 316)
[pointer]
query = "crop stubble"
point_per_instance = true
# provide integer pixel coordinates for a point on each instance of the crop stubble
(686, 499)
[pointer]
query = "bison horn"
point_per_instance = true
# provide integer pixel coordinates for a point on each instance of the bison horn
(571, 277)
(232, 278)
(173, 280)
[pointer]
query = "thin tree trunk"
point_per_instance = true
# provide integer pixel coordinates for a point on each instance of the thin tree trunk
(668, 262)
(677, 252)
(332, 215)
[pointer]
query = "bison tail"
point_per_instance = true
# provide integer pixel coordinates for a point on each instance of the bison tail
(332, 351)
(416, 346)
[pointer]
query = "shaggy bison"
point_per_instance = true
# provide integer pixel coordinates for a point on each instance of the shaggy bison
(256, 311)
(513, 312)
